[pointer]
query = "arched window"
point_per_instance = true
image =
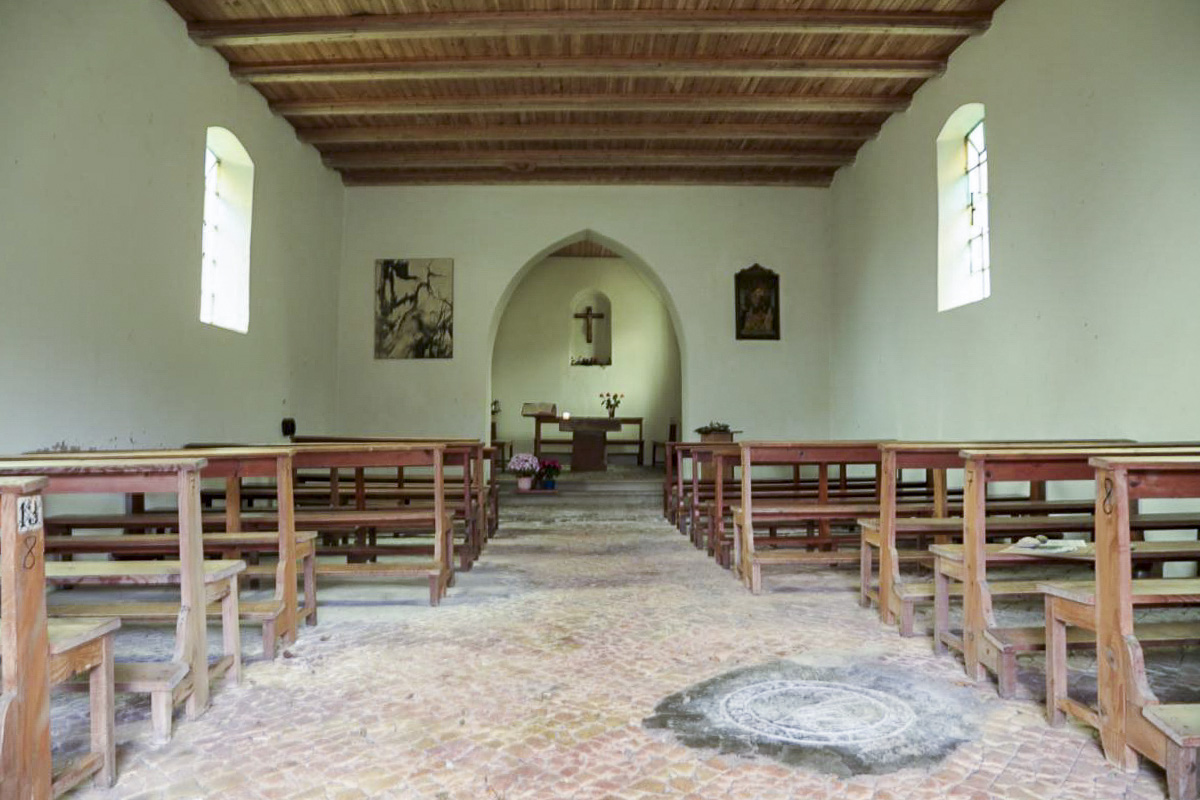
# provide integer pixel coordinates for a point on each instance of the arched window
(225, 240)
(964, 252)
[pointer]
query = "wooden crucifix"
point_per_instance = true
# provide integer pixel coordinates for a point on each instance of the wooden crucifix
(587, 316)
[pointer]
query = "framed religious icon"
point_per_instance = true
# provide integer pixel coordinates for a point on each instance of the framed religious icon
(756, 303)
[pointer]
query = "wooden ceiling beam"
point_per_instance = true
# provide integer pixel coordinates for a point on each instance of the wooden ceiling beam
(579, 132)
(512, 104)
(524, 161)
(668, 177)
(641, 66)
(477, 24)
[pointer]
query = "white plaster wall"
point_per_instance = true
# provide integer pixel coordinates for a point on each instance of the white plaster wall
(689, 240)
(1093, 109)
(531, 361)
(103, 111)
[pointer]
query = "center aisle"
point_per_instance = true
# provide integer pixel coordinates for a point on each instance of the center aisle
(534, 677)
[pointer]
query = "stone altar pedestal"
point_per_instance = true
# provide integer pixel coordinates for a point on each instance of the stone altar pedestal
(589, 441)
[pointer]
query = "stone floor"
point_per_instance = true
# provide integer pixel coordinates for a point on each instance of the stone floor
(534, 678)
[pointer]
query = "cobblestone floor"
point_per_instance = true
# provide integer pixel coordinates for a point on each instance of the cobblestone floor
(533, 679)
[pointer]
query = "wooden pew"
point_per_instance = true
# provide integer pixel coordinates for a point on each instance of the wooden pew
(668, 490)
(1131, 718)
(479, 504)
(691, 499)
(935, 458)
(278, 615)
(36, 654)
(984, 466)
(334, 456)
(180, 477)
(726, 494)
(166, 683)
(748, 562)
(383, 455)
(1009, 519)
(1071, 622)
(228, 546)
(1003, 645)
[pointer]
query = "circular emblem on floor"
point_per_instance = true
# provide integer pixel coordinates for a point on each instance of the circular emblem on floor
(817, 712)
(861, 718)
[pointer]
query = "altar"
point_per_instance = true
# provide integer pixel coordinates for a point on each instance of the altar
(589, 441)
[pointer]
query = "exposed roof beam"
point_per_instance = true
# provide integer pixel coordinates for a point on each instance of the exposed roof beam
(652, 177)
(511, 104)
(524, 161)
(475, 24)
(580, 132)
(640, 66)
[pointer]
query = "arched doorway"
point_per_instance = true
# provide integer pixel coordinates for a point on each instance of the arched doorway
(585, 317)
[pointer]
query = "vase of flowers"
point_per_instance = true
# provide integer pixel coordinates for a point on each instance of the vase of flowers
(611, 401)
(548, 474)
(525, 466)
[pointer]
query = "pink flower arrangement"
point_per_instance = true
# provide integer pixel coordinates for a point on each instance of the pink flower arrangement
(524, 464)
(550, 469)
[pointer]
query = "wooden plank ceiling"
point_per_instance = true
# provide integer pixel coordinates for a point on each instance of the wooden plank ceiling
(586, 91)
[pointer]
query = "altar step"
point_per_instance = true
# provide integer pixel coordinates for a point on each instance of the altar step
(588, 486)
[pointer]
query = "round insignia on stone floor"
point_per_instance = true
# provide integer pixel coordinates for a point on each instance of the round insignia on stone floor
(817, 712)
(861, 718)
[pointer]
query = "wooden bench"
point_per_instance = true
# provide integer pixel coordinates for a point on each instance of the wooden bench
(1001, 646)
(345, 520)
(332, 457)
(982, 467)
(93, 473)
(948, 529)
(232, 465)
(1180, 724)
(706, 505)
(438, 568)
(1131, 717)
(1071, 621)
(229, 546)
(934, 459)
(36, 653)
(477, 502)
(747, 560)
(162, 682)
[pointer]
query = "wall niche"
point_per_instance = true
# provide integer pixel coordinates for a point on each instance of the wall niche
(591, 329)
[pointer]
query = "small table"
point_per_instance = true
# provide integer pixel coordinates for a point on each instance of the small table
(589, 441)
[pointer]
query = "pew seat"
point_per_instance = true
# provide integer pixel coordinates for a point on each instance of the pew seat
(1180, 724)
(748, 561)
(1071, 613)
(350, 520)
(83, 648)
(220, 586)
(265, 612)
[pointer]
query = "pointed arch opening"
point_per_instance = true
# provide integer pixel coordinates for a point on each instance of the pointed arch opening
(540, 352)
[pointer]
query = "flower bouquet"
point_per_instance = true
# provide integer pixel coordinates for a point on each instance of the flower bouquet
(525, 466)
(549, 473)
(611, 401)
